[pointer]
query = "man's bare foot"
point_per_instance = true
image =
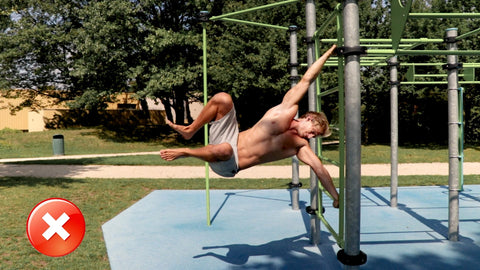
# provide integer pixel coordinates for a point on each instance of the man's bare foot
(185, 131)
(171, 154)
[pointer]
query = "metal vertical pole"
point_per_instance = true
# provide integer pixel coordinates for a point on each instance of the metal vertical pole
(351, 256)
(393, 130)
(453, 127)
(341, 126)
(295, 185)
(310, 32)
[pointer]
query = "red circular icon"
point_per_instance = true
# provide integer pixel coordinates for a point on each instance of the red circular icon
(55, 227)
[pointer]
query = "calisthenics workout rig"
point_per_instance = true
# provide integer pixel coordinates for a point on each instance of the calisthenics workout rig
(385, 52)
(374, 52)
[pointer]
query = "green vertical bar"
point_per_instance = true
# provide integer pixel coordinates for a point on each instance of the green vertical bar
(319, 139)
(205, 100)
(444, 15)
(319, 98)
(341, 127)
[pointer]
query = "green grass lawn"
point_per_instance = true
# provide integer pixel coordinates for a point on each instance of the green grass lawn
(16, 144)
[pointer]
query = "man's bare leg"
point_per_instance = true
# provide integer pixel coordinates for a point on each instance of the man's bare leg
(217, 107)
(210, 153)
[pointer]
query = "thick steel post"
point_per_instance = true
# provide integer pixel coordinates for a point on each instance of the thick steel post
(312, 106)
(351, 256)
(393, 131)
(453, 126)
(294, 79)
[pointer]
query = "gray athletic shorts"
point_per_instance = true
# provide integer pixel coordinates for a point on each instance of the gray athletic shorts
(221, 131)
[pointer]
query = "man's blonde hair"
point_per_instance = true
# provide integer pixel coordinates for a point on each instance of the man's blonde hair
(319, 119)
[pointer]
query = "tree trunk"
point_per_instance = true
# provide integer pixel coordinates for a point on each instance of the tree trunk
(189, 114)
(168, 108)
(179, 106)
(146, 112)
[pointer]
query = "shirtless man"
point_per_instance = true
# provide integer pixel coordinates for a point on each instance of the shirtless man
(276, 136)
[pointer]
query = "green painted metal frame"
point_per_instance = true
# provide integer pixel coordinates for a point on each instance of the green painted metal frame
(334, 17)
(399, 46)
(341, 163)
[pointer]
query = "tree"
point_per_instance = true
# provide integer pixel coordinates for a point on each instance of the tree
(94, 49)
(173, 52)
(37, 48)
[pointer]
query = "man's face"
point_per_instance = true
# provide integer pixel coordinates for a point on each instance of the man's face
(307, 129)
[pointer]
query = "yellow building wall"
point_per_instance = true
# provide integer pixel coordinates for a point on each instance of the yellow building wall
(33, 121)
(18, 121)
(36, 121)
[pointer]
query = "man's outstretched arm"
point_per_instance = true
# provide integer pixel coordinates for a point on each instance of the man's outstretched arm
(295, 94)
(306, 155)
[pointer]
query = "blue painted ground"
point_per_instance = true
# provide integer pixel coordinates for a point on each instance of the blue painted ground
(256, 229)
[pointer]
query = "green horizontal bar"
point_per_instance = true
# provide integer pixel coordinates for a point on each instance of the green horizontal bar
(252, 9)
(441, 82)
(372, 58)
(435, 75)
(387, 45)
(468, 65)
(423, 52)
(365, 58)
(422, 64)
(431, 75)
(387, 40)
(443, 15)
(255, 23)
(465, 65)
(371, 63)
(469, 82)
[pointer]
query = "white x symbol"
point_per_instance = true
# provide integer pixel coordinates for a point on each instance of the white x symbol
(56, 226)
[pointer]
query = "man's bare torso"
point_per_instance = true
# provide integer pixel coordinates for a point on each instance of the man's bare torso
(272, 138)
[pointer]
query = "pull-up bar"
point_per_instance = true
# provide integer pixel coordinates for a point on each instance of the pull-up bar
(389, 40)
(444, 15)
(387, 52)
